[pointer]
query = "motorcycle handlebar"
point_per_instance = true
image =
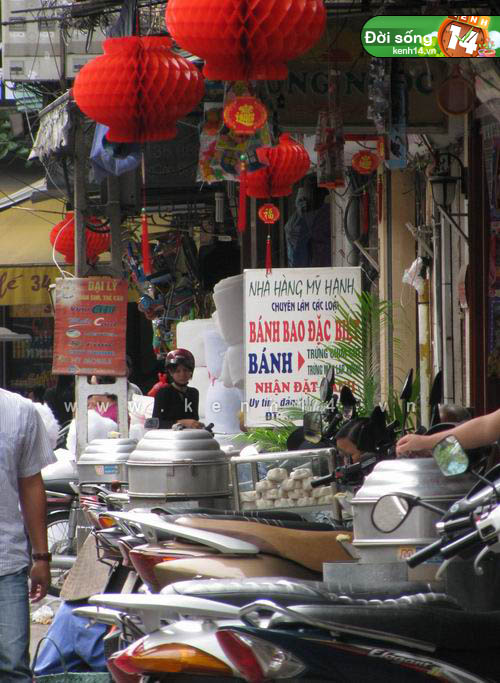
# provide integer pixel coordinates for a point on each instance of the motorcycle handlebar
(453, 524)
(323, 481)
(460, 544)
(424, 554)
(332, 427)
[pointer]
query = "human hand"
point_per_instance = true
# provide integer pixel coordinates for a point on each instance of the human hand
(40, 580)
(412, 442)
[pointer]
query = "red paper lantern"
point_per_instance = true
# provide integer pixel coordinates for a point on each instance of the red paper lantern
(139, 88)
(246, 39)
(63, 236)
(288, 163)
(365, 162)
(245, 115)
(269, 213)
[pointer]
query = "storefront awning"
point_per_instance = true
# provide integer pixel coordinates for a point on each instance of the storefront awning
(25, 230)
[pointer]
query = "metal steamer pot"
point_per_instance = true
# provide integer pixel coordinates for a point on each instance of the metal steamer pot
(170, 464)
(420, 477)
(105, 460)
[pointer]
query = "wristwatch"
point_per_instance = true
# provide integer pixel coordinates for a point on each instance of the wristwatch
(44, 557)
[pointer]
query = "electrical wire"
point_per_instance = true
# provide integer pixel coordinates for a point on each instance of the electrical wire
(33, 211)
(64, 273)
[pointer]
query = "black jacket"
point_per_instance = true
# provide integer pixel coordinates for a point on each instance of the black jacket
(172, 405)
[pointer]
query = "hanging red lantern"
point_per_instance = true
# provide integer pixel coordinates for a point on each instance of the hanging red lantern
(246, 39)
(288, 162)
(365, 162)
(139, 88)
(62, 238)
(269, 213)
(245, 115)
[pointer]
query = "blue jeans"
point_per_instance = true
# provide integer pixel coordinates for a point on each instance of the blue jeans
(14, 628)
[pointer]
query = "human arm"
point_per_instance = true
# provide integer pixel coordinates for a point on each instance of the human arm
(191, 402)
(33, 502)
(161, 409)
(481, 431)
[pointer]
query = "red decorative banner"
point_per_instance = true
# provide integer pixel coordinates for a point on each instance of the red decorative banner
(365, 162)
(90, 326)
(245, 115)
(269, 213)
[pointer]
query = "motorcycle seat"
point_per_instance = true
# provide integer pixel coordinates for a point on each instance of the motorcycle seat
(258, 514)
(59, 486)
(306, 547)
(419, 618)
(271, 521)
(285, 591)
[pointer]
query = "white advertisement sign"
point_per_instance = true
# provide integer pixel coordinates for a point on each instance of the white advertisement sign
(290, 315)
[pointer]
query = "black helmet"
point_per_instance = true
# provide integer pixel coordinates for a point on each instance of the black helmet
(179, 357)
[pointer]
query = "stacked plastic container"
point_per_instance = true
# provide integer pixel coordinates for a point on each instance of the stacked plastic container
(190, 336)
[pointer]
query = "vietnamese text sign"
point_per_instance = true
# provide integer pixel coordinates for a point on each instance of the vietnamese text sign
(290, 315)
(90, 326)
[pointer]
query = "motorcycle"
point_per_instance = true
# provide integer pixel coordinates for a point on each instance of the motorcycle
(225, 546)
(419, 639)
(62, 505)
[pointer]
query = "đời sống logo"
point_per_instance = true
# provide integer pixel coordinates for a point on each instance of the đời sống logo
(432, 36)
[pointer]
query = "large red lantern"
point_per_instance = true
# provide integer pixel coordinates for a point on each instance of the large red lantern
(63, 235)
(246, 39)
(288, 162)
(139, 88)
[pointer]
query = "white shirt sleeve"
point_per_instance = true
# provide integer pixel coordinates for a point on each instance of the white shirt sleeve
(36, 449)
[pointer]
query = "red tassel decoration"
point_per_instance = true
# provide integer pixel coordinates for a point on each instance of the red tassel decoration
(146, 254)
(269, 261)
(242, 210)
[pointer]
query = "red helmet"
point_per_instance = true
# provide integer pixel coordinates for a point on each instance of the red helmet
(179, 357)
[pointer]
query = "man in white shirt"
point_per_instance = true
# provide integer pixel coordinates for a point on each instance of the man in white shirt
(24, 451)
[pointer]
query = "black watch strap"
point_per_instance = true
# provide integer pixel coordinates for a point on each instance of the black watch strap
(44, 557)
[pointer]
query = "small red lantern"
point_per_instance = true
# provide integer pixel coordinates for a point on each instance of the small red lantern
(139, 88)
(62, 238)
(288, 163)
(245, 115)
(365, 162)
(269, 213)
(244, 40)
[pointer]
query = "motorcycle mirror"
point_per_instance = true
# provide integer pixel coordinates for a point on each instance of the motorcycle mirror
(436, 397)
(390, 512)
(330, 375)
(405, 394)
(450, 457)
(326, 386)
(346, 396)
(312, 425)
(325, 390)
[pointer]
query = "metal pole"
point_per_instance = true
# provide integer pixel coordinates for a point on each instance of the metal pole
(424, 353)
(447, 315)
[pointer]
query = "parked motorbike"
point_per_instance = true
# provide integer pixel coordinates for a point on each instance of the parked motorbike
(412, 639)
(226, 546)
(62, 504)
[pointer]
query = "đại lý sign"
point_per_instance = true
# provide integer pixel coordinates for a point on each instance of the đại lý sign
(290, 316)
(90, 326)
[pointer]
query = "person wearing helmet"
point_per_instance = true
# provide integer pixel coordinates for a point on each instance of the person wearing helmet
(177, 403)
